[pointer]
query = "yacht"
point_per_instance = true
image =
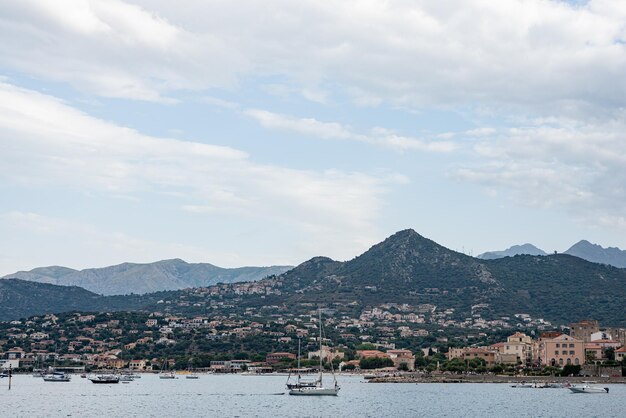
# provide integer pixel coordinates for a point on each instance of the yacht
(167, 375)
(318, 389)
(299, 383)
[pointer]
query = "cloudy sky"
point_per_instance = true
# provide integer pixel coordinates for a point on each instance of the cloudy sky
(268, 132)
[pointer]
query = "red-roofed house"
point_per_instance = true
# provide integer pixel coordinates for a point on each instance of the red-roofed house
(370, 353)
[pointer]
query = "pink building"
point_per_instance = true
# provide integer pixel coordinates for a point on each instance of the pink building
(561, 350)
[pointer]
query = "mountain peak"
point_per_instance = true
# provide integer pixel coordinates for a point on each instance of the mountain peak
(583, 243)
(598, 254)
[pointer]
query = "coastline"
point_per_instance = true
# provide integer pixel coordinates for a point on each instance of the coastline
(449, 378)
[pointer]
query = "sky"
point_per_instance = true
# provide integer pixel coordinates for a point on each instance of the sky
(269, 132)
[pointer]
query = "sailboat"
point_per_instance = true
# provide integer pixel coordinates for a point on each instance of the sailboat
(190, 373)
(318, 388)
(299, 382)
(166, 374)
(53, 375)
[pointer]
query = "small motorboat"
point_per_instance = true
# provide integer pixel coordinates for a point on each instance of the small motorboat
(522, 385)
(588, 389)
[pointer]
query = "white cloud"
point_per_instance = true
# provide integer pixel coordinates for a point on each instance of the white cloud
(526, 53)
(47, 143)
(111, 48)
(333, 130)
(568, 165)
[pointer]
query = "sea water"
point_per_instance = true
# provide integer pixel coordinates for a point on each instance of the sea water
(266, 396)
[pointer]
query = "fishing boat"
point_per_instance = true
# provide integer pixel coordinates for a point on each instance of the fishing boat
(318, 389)
(588, 389)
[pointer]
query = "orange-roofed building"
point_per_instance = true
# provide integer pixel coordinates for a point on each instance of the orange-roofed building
(273, 358)
(402, 356)
(370, 353)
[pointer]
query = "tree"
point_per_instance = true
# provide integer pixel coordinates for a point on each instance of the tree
(375, 362)
(403, 367)
(590, 356)
(570, 369)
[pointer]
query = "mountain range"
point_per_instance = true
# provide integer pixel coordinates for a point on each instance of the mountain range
(135, 278)
(404, 268)
(408, 268)
(527, 249)
(597, 254)
(582, 249)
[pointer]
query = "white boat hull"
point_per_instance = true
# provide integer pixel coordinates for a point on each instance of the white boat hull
(315, 391)
(589, 389)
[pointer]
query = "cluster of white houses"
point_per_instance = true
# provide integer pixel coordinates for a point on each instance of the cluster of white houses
(586, 342)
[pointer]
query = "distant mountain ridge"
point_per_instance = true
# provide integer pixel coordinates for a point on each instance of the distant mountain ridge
(584, 249)
(527, 249)
(21, 299)
(138, 278)
(595, 253)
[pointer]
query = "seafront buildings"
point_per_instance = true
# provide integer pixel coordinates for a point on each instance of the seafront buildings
(553, 348)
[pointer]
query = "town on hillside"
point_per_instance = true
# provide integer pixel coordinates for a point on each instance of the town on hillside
(262, 339)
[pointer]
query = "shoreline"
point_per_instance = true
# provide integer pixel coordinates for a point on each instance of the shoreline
(494, 379)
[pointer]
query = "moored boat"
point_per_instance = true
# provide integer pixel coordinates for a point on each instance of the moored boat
(56, 377)
(105, 379)
(588, 389)
(299, 383)
(318, 389)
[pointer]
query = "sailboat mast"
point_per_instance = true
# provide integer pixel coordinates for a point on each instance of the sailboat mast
(320, 324)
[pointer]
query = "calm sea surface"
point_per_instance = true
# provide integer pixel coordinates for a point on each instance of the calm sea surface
(265, 396)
